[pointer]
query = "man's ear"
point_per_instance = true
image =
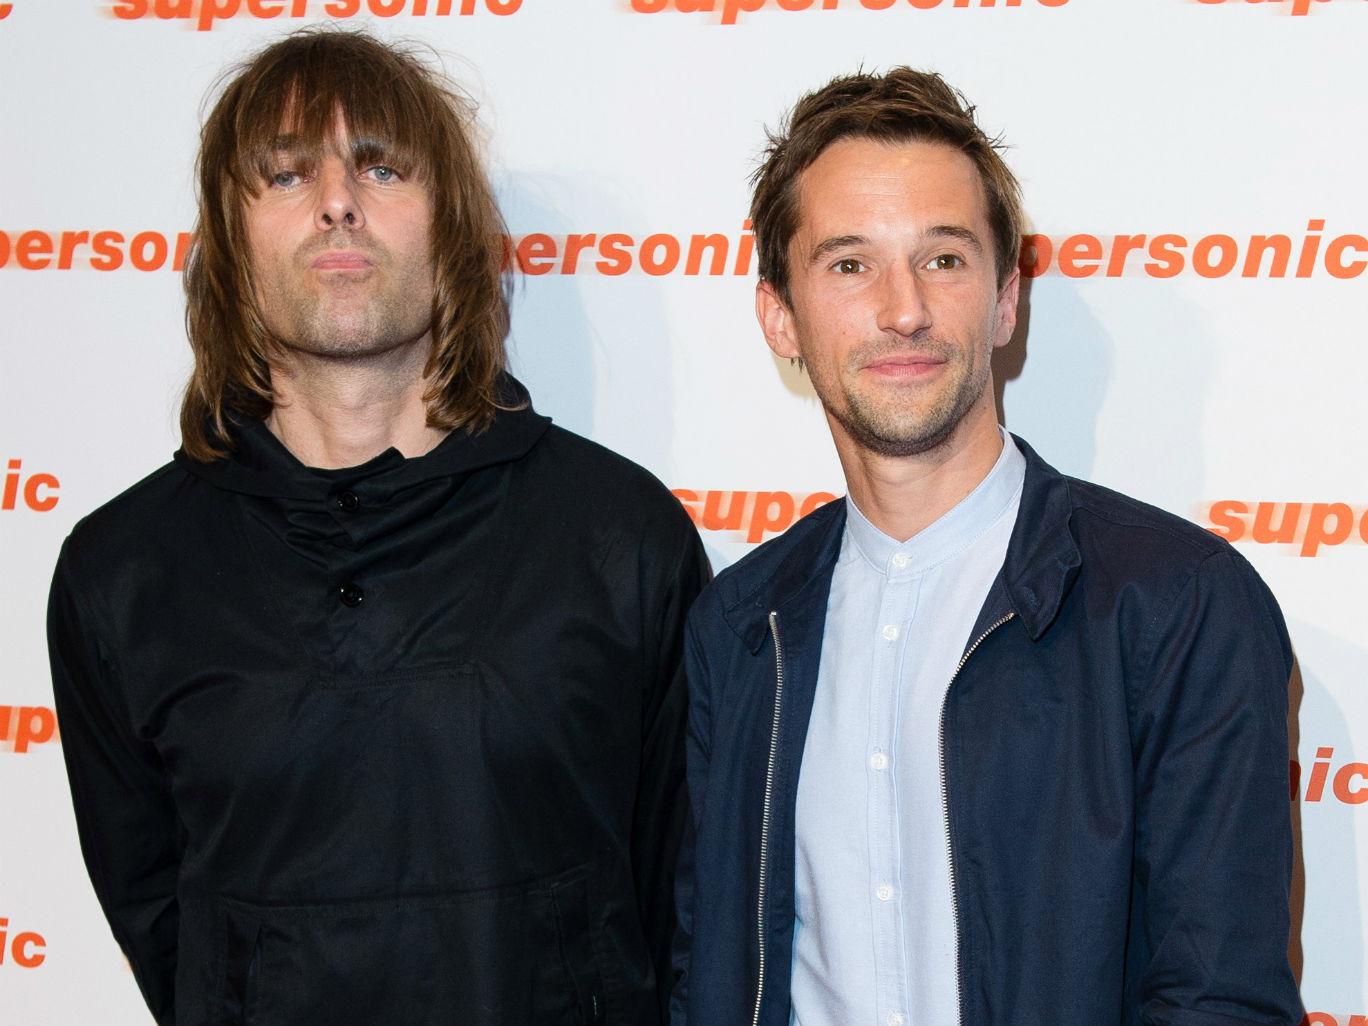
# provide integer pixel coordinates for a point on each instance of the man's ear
(1004, 316)
(776, 321)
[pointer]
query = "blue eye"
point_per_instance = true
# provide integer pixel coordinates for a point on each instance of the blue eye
(381, 173)
(285, 179)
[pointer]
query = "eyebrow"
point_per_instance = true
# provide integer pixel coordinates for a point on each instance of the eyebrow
(831, 244)
(834, 243)
(955, 231)
(363, 149)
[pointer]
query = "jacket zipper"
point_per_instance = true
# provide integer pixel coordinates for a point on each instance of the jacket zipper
(945, 811)
(765, 815)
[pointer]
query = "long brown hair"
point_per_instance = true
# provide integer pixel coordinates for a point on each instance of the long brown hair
(415, 119)
(901, 106)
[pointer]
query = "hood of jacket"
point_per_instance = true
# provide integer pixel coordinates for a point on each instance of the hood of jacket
(353, 506)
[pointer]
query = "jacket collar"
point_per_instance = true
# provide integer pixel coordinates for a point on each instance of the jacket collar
(1042, 556)
(1040, 567)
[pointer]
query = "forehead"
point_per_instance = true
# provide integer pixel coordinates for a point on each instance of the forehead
(309, 118)
(332, 137)
(859, 185)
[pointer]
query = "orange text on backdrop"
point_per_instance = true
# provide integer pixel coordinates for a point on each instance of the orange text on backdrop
(19, 489)
(1310, 525)
(204, 13)
(731, 10)
(717, 254)
(1347, 784)
(752, 515)
(22, 726)
(1299, 7)
(25, 949)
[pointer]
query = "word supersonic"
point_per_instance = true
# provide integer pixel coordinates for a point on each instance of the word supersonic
(1308, 525)
(1169, 254)
(1299, 7)
(24, 725)
(750, 514)
(1347, 785)
(36, 491)
(615, 253)
(95, 250)
(205, 12)
(732, 9)
(26, 949)
(716, 254)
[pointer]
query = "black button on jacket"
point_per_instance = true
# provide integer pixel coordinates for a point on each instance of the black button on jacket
(396, 744)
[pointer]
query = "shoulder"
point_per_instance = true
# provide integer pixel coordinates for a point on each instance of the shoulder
(1186, 604)
(1111, 529)
(1162, 558)
(798, 547)
(1117, 526)
(801, 542)
(129, 538)
(131, 521)
(607, 488)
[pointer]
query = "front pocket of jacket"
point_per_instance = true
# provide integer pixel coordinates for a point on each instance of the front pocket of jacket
(510, 956)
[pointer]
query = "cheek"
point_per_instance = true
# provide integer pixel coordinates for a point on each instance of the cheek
(413, 243)
(965, 314)
(825, 340)
(264, 235)
(837, 326)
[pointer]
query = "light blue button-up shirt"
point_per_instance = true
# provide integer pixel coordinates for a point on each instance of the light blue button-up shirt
(875, 940)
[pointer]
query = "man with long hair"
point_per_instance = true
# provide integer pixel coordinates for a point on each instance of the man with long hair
(981, 744)
(371, 699)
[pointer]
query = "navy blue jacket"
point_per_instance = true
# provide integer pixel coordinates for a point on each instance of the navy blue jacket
(1114, 758)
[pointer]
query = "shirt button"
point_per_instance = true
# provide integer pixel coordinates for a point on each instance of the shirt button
(896, 1019)
(890, 632)
(347, 502)
(900, 561)
(885, 892)
(351, 595)
(878, 761)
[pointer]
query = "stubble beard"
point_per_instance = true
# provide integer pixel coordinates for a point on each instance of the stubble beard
(891, 425)
(346, 319)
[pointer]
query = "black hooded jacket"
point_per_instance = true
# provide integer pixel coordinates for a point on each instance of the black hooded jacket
(395, 744)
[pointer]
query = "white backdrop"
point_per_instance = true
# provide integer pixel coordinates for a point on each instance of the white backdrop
(1185, 370)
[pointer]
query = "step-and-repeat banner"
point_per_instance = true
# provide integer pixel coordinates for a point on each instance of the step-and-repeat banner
(1193, 333)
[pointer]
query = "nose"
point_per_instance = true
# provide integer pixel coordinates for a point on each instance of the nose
(339, 199)
(903, 308)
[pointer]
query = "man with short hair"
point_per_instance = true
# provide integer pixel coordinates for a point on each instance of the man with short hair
(372, 699)
(981, 744)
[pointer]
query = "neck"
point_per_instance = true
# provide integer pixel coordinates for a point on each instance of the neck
(902, 495)
(332, 413)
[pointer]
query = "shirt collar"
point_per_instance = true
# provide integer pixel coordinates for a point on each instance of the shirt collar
(950, 534)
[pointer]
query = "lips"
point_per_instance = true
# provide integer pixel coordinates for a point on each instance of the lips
(908, 366)
(340, 260)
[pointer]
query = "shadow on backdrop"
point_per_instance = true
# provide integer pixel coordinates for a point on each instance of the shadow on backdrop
(1326, 891)
(1296, 952)
(1059, 364)
(565, 357)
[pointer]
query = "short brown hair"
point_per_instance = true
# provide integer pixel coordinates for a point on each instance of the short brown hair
(407, 114)
(901, 106)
